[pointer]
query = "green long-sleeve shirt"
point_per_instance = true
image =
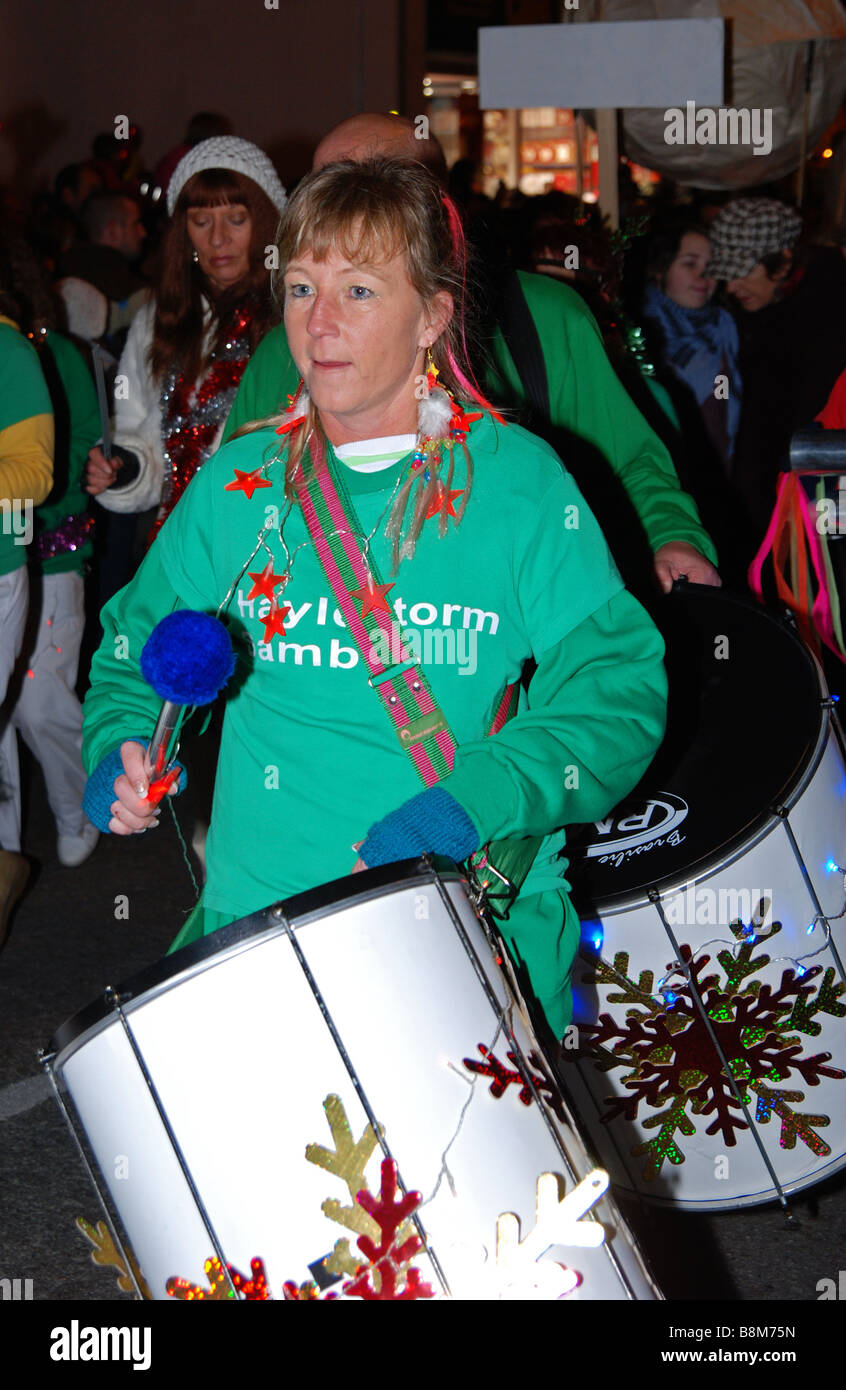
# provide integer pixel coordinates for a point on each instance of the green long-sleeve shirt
(308, 759)
(77, 418)
(26, 443)
(585, 398)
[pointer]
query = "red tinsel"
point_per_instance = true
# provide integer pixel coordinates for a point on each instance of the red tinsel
(187, 448)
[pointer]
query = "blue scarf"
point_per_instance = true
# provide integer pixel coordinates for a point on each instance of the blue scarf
(699, 344)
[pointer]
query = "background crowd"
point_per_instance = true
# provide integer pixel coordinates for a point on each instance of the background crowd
(669, 364)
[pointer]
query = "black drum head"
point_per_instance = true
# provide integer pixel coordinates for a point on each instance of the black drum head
(743, 719)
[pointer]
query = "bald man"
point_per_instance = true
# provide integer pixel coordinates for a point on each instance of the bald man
(581, 405)
(362, 137)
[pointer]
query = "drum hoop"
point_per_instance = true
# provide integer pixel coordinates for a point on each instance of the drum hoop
(623, 901)
(614, 904)
(624, 1183)
(247, 932)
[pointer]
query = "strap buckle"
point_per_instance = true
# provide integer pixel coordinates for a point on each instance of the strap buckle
(391, 671)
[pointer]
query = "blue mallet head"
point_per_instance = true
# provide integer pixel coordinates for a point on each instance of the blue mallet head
(188, 658)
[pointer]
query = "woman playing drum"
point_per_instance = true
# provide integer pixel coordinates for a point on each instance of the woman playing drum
(383, 525)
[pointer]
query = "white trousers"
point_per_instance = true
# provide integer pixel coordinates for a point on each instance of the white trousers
(14, 601)
(47, 711)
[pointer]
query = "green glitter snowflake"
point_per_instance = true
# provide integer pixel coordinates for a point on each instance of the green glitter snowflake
(673, 1061)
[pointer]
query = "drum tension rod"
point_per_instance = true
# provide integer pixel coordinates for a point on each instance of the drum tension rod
(279, 915)
(505, 1022)
(46, 1060)
(116, 1001)
(655, 899)
(783, 813)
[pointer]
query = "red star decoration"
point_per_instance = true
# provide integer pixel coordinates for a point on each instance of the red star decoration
(274, 621)
(297, 420)
(248, 482)
(372, 597)
(264, 583)
(443, 503)
(462, 422)
(290, 425)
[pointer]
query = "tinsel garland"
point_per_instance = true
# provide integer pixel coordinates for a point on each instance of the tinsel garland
(70, 534)
(630, 334)
(192, 413)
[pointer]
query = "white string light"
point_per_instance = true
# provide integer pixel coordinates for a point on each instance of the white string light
(749, 937)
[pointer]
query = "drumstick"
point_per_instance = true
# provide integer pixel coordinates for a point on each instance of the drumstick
(158, 790)
(102, 399)
(187, 660)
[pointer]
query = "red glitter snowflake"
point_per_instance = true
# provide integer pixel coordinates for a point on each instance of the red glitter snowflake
(388, 1276)
(502, 1077)
(253, 1290)
(674, 1062)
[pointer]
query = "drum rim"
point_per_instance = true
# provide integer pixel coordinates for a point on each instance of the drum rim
(766, 1197)
(615, 1154)
(626, 900)
(299, 910)
(613, 904)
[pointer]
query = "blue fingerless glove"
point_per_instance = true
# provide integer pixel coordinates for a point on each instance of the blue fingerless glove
(430, 823)
(99, 796)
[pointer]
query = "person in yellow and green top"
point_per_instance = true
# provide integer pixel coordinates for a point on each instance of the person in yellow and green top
(46, 710)
(47, 713)
(437, 521)
(546, 352)
(26, 476)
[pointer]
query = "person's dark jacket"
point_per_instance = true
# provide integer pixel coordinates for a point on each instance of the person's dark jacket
(791, 354)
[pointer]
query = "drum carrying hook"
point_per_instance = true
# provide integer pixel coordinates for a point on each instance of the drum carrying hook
(655, 899)
(478, 887)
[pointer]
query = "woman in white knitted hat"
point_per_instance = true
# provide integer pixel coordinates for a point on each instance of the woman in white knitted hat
(188, 347)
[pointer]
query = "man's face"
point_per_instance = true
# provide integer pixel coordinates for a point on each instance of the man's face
(130, 232)
(89, 182)
(757, 289)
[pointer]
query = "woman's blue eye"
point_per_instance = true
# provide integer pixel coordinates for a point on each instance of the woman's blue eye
(360, 292)
(297, 291)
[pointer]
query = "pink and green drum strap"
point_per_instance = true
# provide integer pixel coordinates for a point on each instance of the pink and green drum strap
(402, 686)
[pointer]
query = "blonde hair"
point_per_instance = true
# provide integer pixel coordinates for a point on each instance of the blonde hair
(369, 212)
